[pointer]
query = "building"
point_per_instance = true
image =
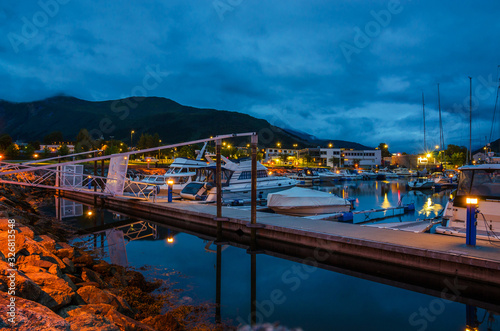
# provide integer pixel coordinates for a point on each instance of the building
(54, 148)
(338, 157)
(407, 161)
(274, 154)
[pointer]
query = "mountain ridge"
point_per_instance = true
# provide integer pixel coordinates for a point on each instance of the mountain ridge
(115, 119)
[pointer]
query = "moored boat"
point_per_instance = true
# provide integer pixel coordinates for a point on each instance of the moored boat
(299, 201)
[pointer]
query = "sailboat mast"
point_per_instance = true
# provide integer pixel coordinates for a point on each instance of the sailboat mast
(423, 109)
(441, 135)
(470, 120)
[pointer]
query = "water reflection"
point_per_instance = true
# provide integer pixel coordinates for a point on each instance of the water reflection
(344, 294)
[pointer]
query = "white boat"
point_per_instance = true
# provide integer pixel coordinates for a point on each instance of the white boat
(348, 175)
(299, 201)
(368, 174)
(404, 172)
(326, 175)
(236, 182)
(421, 183)
(306, 177)
(481, 182)
(387, 173)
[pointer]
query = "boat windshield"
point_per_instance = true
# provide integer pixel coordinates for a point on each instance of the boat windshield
(479, 182)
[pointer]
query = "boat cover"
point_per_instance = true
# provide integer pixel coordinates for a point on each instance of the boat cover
(303, 197)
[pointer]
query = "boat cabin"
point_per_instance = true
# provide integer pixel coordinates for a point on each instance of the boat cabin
(482, 182)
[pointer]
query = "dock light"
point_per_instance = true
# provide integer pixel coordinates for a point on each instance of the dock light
(1, 156)
(35, 156)
(270, 172)
(89, 213)
(170, 183)
(170, 240)
(471, 223)
(471, 201)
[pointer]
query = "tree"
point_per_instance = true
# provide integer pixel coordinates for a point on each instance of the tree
(29, 150)
(12, 151)
(63, 150)
(5, 141)
(186, 151)
(384, 148)
(35, 144)
(46, 152)
(53, 137)
(84, 142)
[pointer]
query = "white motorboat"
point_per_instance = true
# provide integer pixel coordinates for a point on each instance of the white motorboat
(404, 172)
(299, 201)
(368, 174)
(421, 183)
(388, 174)
(326, 175)
(236, 182)
(306, 177)
(481, 182)
(182, 171)
(349, 175)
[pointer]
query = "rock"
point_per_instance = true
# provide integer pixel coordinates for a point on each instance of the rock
(94, 295)
(30, 316)
(163, 322)
(59, 293)
(48, 243)
(85, 259)
(91, 276)
(55, 271)
(69, 281)
(27, 232)
(4, 243)
(43, 264)
(109, 313)
(102, 268)
(63, 312)
(25, 287)
(88, 322)
(74, 279)
(83, 284)
(136, 279)
(26, 268)
(70, 266)
(66, 251)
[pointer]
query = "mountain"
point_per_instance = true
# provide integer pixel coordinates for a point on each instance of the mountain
(117, 118)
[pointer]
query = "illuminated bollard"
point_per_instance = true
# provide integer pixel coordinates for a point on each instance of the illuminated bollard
(470, 227)
(170, 183)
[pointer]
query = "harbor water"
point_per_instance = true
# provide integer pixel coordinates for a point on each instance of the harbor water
(295, 294)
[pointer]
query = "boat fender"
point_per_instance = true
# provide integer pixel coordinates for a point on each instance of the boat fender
(346, 217)
(409, 207)
(157, 188)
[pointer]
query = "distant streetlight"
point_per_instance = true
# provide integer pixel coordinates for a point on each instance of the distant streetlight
(330, 145)
(386, 146)
(278, 144)
(35, 155)
(131, 136)
(437, 146)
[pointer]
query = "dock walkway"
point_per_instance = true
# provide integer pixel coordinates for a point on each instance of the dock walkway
(430, 252)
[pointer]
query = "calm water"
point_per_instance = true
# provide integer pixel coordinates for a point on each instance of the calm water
(299, 295)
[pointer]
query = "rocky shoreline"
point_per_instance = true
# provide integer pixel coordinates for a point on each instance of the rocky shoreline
(60, 287)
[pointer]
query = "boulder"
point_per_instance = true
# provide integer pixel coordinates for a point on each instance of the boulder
(26, 268)
(109, 313)
(30, 316)
(163, 322)
(94, 295)
(56, 294)
(25, 287)
(70, 266)
(66, 251)
(4, 243)
(85, 259)
(27, 232)
(91, 276)
(48, 243)
(55, 271)
(88, 322)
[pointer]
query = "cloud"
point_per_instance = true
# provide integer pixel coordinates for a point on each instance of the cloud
(270, 60)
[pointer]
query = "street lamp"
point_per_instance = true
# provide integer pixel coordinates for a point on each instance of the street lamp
(386, 146)
(131, 135)
(330, 145)
(278, 144)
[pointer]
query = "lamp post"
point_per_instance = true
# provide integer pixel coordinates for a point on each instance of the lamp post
(170, 184)
(470, 228)
(131, 136)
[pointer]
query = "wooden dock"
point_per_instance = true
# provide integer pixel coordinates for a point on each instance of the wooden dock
(445, 257)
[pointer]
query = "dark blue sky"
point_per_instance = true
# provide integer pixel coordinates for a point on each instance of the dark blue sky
(352, 70)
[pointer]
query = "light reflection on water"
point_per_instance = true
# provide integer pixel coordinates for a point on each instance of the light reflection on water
(310, 298)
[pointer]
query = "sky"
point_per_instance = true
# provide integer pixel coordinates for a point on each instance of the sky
(351, 70)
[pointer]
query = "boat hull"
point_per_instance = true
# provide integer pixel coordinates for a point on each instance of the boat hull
(310, 210)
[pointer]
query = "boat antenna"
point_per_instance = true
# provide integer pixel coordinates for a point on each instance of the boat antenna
(441, 134)
(423, 109)
(495, 109)
(470, 120)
